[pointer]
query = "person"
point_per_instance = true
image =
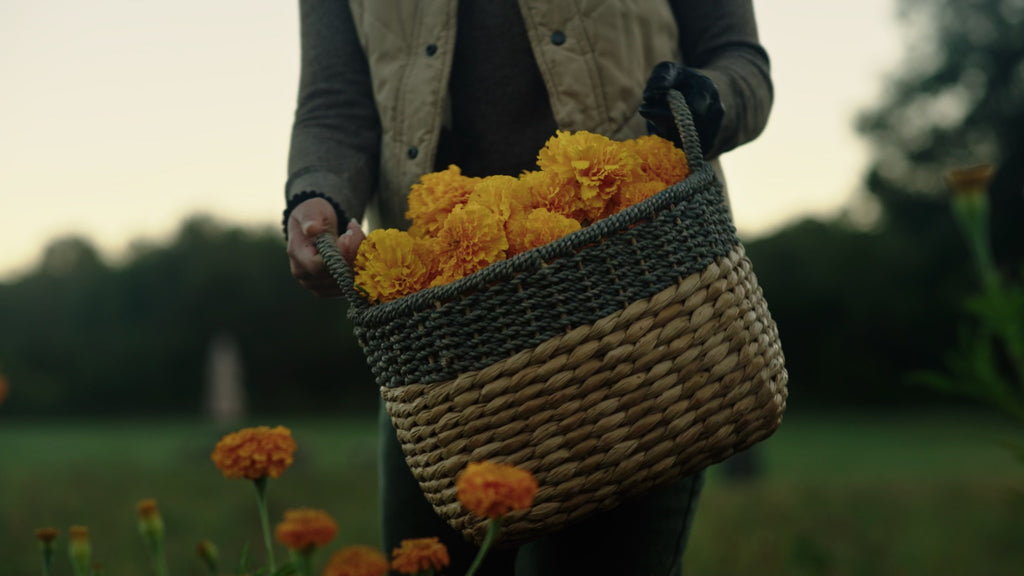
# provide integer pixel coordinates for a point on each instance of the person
(392, 90)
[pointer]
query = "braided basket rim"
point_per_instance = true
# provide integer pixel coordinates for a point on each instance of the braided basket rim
(366, 314)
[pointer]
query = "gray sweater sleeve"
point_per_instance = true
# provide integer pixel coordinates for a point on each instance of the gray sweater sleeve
(719, 39)
(336, 134)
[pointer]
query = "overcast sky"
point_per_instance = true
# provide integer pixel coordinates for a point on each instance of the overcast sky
(118, 118)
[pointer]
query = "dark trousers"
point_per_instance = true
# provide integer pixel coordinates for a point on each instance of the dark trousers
(644, 536)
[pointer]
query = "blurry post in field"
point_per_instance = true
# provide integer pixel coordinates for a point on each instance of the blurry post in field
(224, 399)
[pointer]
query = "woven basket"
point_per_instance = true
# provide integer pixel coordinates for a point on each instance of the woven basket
(623, 356)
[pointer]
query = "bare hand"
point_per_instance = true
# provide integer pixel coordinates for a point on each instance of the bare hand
(307, 221)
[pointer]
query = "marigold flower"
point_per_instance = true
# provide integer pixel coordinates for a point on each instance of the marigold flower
(972, 181)
(434, 197)
(151, 524)
(472, 237)
(491, 490)
(541, 226)
(634, 193)
(209, 555)
(502, 195)
(305, 528)
(357, 561)
(80, 549)
(391, 263)
(659, 159)
(591, 167)
(254, 453)
(47, 535)
(548, 191)
(419, 555)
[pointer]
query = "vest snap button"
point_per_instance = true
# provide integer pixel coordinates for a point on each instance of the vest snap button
(431, 49)
(558, 38)
(412, 152)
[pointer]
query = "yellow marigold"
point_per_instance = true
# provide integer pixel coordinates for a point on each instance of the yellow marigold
(659, 159)
(591, 167)
(47, 535)
(546, 190)
(434, 197)
(391, 263)
(419, 555)
(357, 561)
(539, 227)
(304, 528)
(255, 452)
(634, 193)
(491, 490)
(500, 194)
(472, 237)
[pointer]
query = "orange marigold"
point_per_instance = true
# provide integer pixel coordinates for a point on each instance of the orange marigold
(357, 560)
(391, 263)
(491, 490)
(659, 159)
(419, 555)
(147, 508)
(472, 237)
(539, 227)
(47, 535)
(255, 452)
(78, 534)
(305, 528)
(547, 191)
(591, 167)
(434, 197)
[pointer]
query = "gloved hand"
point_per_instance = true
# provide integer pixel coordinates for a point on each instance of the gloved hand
(700, 94)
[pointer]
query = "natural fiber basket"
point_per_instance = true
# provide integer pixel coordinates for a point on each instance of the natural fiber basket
(623, 356)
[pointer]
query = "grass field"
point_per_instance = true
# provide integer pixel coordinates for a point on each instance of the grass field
(839, 494)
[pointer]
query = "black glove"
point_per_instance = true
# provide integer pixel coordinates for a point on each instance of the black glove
(700, 94)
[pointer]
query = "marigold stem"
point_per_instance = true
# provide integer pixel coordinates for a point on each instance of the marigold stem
(261, 492)
(493, 526)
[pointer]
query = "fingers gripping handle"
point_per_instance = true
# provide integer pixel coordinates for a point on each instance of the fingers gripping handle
(339, 269)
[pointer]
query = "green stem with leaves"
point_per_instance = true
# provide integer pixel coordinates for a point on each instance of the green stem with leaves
(261, 492)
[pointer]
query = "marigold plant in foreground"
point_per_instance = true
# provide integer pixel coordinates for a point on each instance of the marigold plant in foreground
(461, 224)
(357, 560)
(491, 490)
(254, 453)
(419, 555)
(305, 528)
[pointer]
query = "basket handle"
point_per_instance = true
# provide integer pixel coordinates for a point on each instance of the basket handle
(343, 275)
(340, 270)
(687, 131)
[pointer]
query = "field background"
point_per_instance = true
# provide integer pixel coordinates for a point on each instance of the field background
(838, 494)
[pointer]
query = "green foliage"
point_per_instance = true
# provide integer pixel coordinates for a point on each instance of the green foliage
(841, 494)
(82, 336)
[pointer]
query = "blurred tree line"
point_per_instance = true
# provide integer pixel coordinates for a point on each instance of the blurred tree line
(858, 306)
(81, 336)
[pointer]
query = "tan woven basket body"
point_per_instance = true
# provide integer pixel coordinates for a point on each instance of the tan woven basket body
(627, 355)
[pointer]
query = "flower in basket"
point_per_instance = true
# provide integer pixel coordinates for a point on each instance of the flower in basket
(434, 197)
(257, 454)
(357, 560)
(461, 225)
(420, 555)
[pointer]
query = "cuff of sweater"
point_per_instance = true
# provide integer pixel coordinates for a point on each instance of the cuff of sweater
(304, 195)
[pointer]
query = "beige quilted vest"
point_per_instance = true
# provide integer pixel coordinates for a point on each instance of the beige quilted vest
(594, 55)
